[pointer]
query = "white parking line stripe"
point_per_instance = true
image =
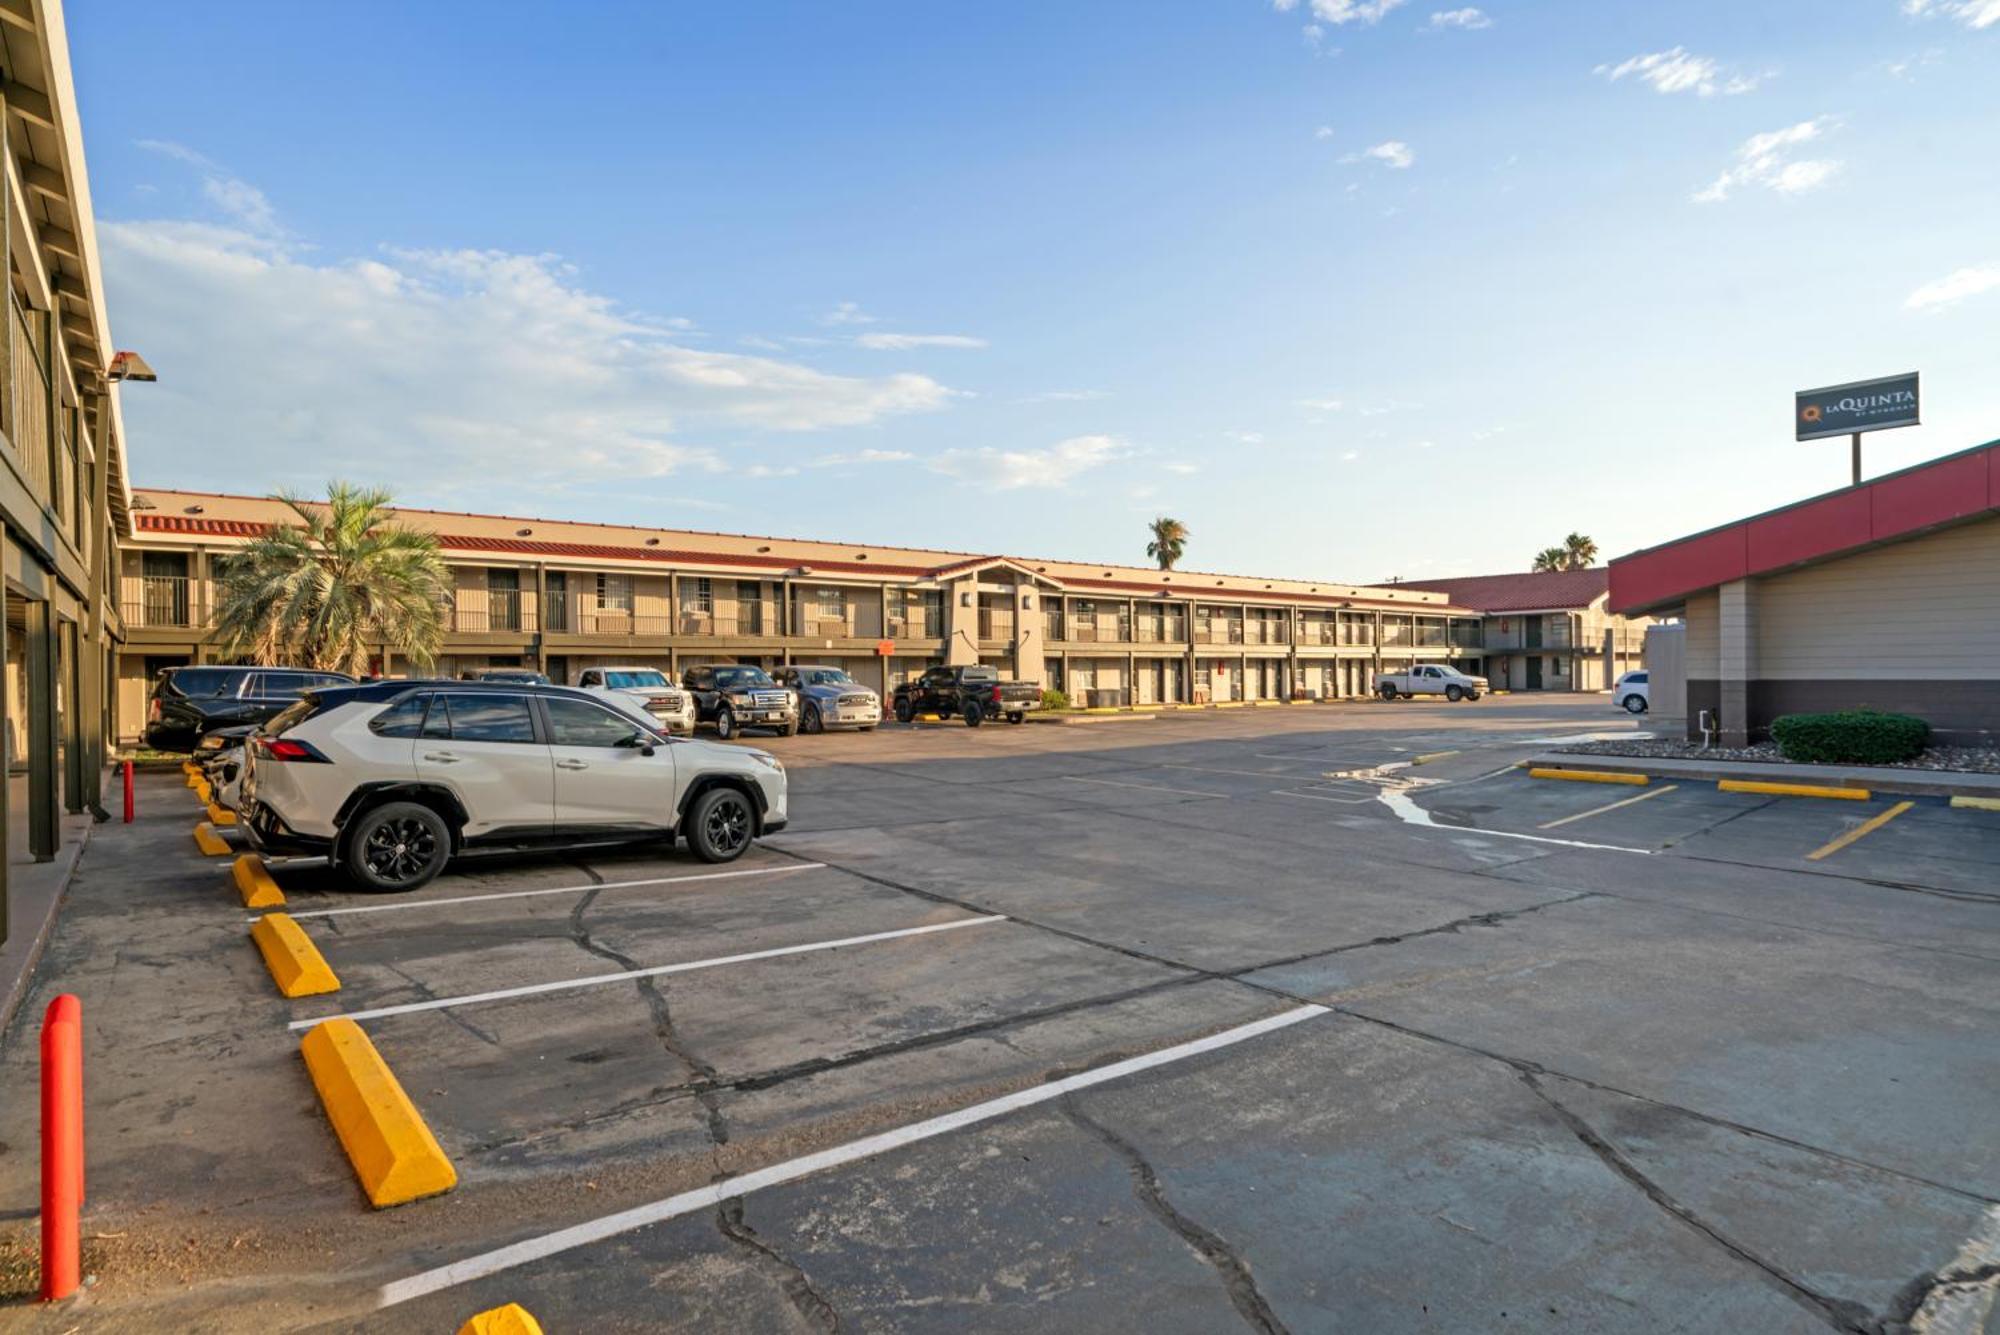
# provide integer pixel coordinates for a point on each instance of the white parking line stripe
(552, 890)
(1149, 787)
(1410, 813)
(598, 980)
(791, 1170)
(1608, 806)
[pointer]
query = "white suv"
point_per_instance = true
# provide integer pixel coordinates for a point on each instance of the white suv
(392, 779)
(1633, 692)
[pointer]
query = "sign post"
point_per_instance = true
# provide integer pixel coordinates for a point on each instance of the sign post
(1850, 409)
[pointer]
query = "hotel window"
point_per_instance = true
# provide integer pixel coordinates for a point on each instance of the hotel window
(832, 604)
(697, 595)
(614, 592)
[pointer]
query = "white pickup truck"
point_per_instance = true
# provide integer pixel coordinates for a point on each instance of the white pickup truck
(645, 691)
(1430, 679)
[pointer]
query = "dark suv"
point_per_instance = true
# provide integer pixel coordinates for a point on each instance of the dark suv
(191, 701)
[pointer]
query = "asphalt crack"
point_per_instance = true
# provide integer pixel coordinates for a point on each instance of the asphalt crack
(807, 1301)
(706, 1083)
(1211, 1247)
(425, 993)
(1838, 1313)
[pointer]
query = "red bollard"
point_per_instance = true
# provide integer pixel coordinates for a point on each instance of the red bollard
(62, 1146)
(128, 792)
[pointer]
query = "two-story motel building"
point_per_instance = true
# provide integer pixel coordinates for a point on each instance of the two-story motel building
(560, 596)
(62, 476)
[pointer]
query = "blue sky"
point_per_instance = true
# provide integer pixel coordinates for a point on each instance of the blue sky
(1354, 288)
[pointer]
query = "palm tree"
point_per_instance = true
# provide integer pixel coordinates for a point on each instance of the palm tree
(321, 593)
(1576, 553)
(1169, 540)
(1550, 558)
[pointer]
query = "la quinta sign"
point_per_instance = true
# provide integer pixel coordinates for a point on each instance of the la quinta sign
(1849, 410)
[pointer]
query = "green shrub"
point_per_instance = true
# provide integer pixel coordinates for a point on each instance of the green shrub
(1851, 737)
(1054, 699)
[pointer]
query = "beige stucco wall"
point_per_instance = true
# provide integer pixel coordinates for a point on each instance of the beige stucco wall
(1704, 636)
(1927, 609)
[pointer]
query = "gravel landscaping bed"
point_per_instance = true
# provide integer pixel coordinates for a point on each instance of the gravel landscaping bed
(1965, 759)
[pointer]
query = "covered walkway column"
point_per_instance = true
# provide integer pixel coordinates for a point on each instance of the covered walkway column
(1737, 655)
(43, 793)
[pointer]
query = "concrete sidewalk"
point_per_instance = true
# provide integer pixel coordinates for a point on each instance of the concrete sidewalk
(34, 893)
(1875, 778)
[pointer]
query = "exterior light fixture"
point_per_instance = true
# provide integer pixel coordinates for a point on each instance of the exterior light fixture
(129, 366)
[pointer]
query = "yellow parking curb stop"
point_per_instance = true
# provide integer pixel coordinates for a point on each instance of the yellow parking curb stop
(220, 815)
(254, 883)
(295, 963)
(513, 1319)
(203, 791)
(208, 841)
(1429, 756)
(394, 1154)
(1590, 776)
(1976, 803)
(1791, 789)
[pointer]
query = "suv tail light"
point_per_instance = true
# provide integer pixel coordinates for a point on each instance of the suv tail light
(289, 750)
(153, 711)
(996, 694)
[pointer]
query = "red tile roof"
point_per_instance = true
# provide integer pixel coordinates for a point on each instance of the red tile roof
(1551, 590)
(218, 528)
(1890, 508)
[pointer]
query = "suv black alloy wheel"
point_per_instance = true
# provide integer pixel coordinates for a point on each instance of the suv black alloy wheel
(397, 846)
(719, 825)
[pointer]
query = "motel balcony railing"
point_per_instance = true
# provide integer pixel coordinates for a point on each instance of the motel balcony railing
(497, 611)
(163, 602)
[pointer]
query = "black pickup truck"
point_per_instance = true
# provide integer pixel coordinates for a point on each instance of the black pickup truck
(974, 694)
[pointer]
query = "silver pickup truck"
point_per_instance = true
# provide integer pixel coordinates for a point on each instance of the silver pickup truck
(1430, 679)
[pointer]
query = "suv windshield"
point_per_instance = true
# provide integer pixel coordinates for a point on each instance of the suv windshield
(626, 681)
(826, 677)
(742, 676)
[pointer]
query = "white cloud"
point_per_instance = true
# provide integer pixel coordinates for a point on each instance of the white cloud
(1053, 467)
(768, 470)
(1974, 14)
(1323, 132)
(1322, 405)
(1350, 456)
(1181, 467)
(1676, 71)
(441, 371)
(1467, 18)
(1245, 437)
(1955, 287)
(905, 342)
(846, 312)
(1350, 11)
(1766, 160)
(1390, 153)
(863, 457)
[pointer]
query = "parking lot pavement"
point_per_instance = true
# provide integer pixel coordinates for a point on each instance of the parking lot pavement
(1205, 1022)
